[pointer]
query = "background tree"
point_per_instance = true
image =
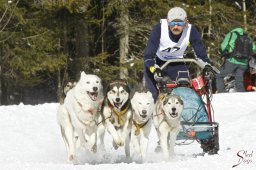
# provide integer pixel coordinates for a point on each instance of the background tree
(44, 44)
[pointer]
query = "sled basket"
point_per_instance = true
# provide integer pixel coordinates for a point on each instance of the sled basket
(198, 130)
(197, 119)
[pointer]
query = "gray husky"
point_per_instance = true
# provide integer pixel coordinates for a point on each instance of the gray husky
(117, 115)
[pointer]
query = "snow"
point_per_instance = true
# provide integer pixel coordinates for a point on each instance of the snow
(30, 139)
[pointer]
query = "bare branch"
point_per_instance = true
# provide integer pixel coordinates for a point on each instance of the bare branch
(9, 17)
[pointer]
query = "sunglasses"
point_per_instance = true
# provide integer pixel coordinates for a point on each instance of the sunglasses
(173, 23)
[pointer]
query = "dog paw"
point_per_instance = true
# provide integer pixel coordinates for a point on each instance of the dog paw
(115, 145)
(158, 149)
(71, 157)
(121, 143)
(94, 148)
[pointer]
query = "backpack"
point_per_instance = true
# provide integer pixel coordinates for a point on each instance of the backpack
(243, 46)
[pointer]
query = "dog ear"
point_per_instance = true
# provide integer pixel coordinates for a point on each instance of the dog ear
(165, 100)
(150, 95)
(83, 74)
(180, 100)
(136, 93)
(74, 83)
(128, 88)
(127, 85)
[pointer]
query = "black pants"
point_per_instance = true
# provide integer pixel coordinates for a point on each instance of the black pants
(237, 70)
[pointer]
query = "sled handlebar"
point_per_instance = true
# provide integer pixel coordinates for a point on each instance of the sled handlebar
(200, 63)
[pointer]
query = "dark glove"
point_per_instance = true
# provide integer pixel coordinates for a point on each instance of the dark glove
(158, 74)
(225, 54)
(207, 68)
(209, 72)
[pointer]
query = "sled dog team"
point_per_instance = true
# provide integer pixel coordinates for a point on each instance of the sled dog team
(86, 113)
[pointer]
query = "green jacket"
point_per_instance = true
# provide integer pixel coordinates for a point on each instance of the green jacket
(230, 45)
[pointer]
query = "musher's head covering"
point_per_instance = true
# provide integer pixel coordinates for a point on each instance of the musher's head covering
(176, 13)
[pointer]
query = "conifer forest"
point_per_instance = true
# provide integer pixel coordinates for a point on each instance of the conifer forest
(46, 43)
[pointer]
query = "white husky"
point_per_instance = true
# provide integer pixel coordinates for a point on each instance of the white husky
(167, 121)
(79, 113)
(142, 107)
(117, 114)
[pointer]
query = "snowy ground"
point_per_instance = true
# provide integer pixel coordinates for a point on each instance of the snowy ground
(30, 140)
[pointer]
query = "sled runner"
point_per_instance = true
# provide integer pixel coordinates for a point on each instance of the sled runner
(197, 122)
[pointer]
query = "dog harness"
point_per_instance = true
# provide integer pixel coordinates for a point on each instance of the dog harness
(119, 114)
(138, 127)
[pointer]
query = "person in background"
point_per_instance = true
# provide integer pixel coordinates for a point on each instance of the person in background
(169, 40)
(250, 76)
(233, 64)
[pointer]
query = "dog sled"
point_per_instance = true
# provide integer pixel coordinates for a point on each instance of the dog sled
(197, 118)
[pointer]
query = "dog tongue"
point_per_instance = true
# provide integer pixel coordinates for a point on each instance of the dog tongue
(117, 105)
(94, 95)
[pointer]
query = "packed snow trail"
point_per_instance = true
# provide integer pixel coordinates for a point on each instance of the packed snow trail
(31, 140)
